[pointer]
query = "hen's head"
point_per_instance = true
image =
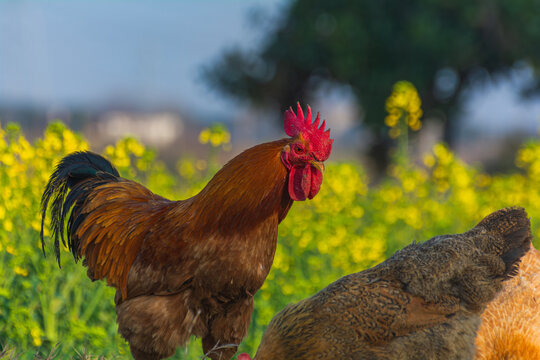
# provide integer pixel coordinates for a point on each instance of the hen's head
(304, 155)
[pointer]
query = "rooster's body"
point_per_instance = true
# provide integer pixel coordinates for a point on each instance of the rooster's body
(188, 267)
(422, 303)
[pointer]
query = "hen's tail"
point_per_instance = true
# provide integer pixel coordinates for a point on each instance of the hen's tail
(501, 239)
(72, 171)
(511, 237)
(467, 268)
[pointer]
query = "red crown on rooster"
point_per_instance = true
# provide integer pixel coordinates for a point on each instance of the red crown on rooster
(318, 137)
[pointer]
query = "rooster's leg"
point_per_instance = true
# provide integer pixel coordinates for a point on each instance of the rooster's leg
(227, 329)
(216, 351)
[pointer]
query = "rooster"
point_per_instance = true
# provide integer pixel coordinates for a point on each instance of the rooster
(188, 267)
(422, 303)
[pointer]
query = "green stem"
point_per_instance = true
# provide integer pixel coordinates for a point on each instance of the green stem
(403, 142)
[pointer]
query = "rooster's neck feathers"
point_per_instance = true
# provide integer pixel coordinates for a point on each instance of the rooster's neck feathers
(248, 190)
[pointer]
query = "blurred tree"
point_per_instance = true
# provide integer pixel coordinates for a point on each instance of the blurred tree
(435, 44)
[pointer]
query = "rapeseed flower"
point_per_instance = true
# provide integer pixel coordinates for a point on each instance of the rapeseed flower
(403, 104)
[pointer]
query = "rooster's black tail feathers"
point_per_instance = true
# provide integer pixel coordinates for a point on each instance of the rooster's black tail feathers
(72, 171)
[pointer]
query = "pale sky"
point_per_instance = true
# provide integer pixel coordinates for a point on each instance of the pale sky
(91, 53)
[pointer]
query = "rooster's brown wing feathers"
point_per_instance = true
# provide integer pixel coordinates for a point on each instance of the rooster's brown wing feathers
(113, 222)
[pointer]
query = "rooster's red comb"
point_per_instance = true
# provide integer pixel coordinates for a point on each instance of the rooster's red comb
(318, 137)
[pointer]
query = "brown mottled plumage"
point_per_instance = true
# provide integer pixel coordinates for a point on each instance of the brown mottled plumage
(189, 267)
(510, 327)
(422, 303)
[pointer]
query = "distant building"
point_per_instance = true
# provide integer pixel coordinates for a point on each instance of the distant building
(158, 129)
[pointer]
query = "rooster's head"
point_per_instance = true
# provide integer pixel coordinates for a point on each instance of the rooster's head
(303, 156)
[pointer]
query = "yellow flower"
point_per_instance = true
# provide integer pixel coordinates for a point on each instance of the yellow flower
(357, 212)
(135, 147)
(414, 123)
(186, 168)
(109, 151)
(287, 289)
(405, 103)
(392, 119)
(216, 135)
(443, 154)
(429, 160)
(36, 336)
(204, 136)
(20, 271)
(215, 140)
(8, 159)
(8, 225)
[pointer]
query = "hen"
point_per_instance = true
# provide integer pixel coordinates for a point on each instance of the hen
(424, 302)
(188, 267)
(511, 323)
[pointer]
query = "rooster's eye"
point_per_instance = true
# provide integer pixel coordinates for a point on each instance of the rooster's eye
(298, 149)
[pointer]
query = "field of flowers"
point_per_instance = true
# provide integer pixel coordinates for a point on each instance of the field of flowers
(349, 226)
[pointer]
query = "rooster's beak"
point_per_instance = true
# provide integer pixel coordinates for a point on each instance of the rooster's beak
(317, 165)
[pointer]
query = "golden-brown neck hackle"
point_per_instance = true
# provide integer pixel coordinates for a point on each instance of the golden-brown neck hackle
(246, 191)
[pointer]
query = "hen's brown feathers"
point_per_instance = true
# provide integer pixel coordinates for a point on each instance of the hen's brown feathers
(422, 303)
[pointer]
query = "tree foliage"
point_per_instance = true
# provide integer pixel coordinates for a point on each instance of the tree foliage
(435, 44)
